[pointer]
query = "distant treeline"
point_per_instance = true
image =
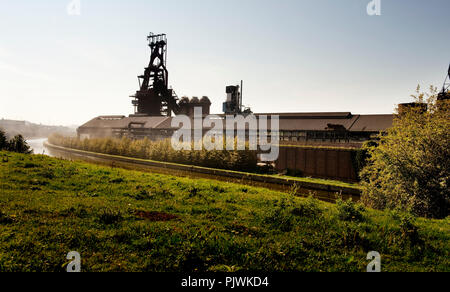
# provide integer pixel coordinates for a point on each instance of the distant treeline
(162, 151)
(16, 144)
(32, 131)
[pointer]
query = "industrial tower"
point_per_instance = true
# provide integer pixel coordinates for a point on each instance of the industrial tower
(154, 97)
(445, 93)
(233, 104)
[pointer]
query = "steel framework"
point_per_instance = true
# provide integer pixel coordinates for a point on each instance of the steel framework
(154, 97)
(445, 93)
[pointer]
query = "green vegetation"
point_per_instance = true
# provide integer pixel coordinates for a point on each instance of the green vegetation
(162, 151)
(279, 176)
(123, 220)
(410, 168)
(3, 140)
(361, 156)
(16, 144)
(349, 210)
(320, 181)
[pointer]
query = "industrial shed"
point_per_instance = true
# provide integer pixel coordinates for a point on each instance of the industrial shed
(155, 102)
(331, 128)
(154, 128)
(295, 128)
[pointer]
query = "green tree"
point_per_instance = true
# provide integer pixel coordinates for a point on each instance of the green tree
(3, 141)
(19, 145)
(410, 168)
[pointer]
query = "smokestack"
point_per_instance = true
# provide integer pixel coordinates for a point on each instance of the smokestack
(240, 101)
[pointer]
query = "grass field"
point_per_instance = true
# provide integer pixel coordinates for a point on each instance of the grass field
(321, 181)
(121, 220)
(327, 182)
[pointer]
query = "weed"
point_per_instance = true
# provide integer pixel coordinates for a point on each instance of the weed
(349, 210)
(109, 217)
(30, 165)
(308, 208)
(294, 190)
(280, 219)
(409, 230)
(117, 180)
(193, 191)
(5, 219)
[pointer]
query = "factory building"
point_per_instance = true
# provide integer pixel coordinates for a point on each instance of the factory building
(325, 129)
(155, 103)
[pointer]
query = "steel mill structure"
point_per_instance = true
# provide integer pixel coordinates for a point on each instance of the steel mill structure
(156, 102)
(154, 97)
(445, 92)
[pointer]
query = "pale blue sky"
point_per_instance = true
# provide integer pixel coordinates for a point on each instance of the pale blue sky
(294, 55)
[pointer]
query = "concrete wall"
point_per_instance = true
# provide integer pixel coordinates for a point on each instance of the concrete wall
(318, 162)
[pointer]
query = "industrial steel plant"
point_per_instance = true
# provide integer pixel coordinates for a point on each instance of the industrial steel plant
(156, 102)
(236, 161)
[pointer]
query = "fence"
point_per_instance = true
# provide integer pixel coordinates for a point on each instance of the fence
(329, 163)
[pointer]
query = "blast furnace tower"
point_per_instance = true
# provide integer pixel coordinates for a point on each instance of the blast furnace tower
(445, 93)
(154, 97)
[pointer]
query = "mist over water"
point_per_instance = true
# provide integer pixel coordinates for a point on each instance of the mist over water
(37, 145)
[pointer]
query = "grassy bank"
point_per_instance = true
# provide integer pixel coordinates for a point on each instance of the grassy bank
(123, 220)
(162, 151)
(324, 182)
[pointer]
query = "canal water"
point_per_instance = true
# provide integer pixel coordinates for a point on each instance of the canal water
(37, 145)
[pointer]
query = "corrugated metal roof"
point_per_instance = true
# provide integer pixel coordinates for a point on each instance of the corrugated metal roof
(288, 122)
(372, 123)
(314, 124)
(126, 122)
(324, 115)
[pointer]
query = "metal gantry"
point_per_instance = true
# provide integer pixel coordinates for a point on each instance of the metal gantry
(445, 93)
(154, 97)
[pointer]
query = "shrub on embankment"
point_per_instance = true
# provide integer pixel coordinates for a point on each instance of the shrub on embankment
(162, 151)
(410, 168)
(17, 144)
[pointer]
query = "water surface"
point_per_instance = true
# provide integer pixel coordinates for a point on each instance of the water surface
(37, 145)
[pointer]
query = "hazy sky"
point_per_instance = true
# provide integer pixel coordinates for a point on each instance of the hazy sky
(293, 55)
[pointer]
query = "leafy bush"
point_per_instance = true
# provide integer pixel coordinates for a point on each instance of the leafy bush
(360, 156)
(409, 230)
(281, 217)
(308, 208)
(245, 160)
(410, 169)
(349, 210)
(3, 140)
(17, 144)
